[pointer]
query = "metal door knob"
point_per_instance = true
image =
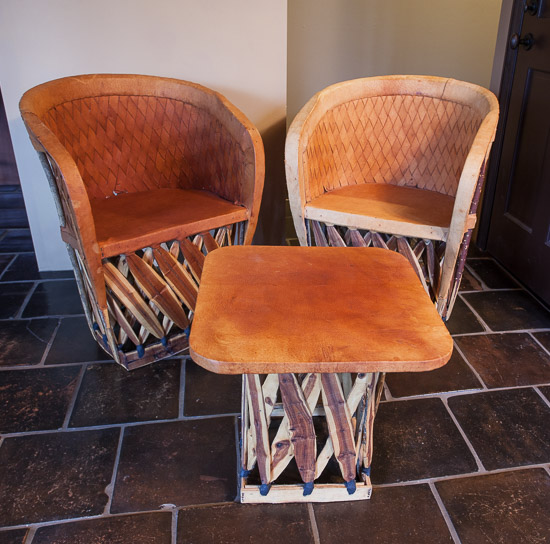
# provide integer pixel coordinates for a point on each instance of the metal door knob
(527, 41)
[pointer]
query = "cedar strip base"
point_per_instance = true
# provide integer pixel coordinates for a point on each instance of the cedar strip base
(348, 423)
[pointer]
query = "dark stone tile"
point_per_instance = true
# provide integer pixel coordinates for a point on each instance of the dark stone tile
(509, 310)
(454, 376)
(543, 338)
(469, 282)
(417, 439)
(110, 394)
(54, 298)
(16, 240)
(181, 463)
(74, 343)
(492, 275)
(475, 253)
(53, 476)
(4, 261)
(393, 514)
(151, 528)
(23, 268)
(506, 428)
(463, 320)
(236, 523)
(57, 275)
(24, 342)
(37, 399)
(500, 508)
(16, 536)
(12, 296)
(506, 360)
(209, 393)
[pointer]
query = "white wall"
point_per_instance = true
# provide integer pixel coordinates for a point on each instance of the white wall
(237, 47)
(335, 40)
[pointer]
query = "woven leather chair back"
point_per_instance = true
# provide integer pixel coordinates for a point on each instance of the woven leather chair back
(416, 141)
(126, 144)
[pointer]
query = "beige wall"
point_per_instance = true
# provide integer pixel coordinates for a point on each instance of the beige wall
(236, 47)
(335, 40)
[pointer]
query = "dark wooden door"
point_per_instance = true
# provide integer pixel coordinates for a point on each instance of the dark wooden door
(519, 233)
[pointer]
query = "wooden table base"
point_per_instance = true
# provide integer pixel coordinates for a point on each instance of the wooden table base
(278, 415)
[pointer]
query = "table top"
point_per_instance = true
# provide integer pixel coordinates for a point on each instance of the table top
(314, 309)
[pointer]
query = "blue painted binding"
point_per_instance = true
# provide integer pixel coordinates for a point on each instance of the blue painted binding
(264, 489)
(140, 350)
(350, 486)
(308, 488)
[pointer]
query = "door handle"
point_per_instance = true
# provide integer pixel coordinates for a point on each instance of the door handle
(527, 41)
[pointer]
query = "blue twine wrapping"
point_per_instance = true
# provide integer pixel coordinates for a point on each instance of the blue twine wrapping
(366, 470)
(140, 350)
(308, 488)
(164, 341)
(350, 486)
(245, 473)
(264, 489)
(95, 326)
(187, 331)
(105, 341)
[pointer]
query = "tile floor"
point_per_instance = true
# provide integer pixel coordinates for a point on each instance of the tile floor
(90, 453)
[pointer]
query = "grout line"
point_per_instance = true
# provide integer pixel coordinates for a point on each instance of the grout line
(8, 266)
(30, 535)
(477, 277)
(489, 333)
(313, 524)
(51, 316)
(546, 401)
(49, 523)
(479, 464)
(73, 399)
(547, 468)
(450, 394)
(444, 513)
(26, 300)
(478, 317)
(547, 351)
(115, 425)
(49, 344)
(60, 365)
(110, 488)
(174, 526)
(463, 475)
(474, 371)
(181, 400)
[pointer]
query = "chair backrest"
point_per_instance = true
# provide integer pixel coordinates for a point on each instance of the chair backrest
(415, 131)
(129, 133)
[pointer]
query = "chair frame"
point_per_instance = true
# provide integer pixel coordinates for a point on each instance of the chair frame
(77, 223)
(447, 247)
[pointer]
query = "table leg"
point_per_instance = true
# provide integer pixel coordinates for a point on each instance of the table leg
(349, 411)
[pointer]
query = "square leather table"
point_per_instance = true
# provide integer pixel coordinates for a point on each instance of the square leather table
(300, 323)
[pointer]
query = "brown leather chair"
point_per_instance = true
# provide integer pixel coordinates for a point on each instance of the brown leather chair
(396, 162)
(149, 174)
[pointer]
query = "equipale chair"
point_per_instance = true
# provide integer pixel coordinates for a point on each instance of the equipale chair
(149, 174)
(395, 162)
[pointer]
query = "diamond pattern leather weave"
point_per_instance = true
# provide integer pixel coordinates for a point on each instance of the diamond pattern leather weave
(416, 141)
(125, 144)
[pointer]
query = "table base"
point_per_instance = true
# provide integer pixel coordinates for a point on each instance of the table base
(292, 416)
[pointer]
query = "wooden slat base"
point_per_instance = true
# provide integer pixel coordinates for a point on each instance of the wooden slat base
(348, 414)
(295, 493)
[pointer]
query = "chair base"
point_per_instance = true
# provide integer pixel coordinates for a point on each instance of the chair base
(151, 296)
(283, 420)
